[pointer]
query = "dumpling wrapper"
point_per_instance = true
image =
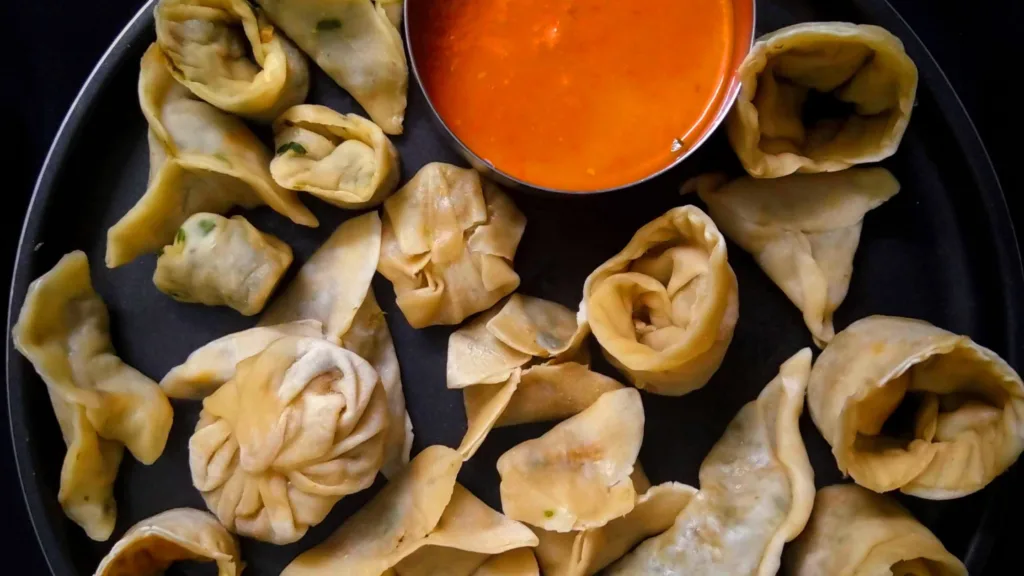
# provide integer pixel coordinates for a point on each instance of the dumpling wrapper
(448, 244)
(149, 547)
(577, 475)
(231, 56)
(422, 511)
(969, 421)
(333, 287)
(300, 426)
(101, 403)
(665, 307)
(219, 261)
(343, 159)
(518, 562)
(587, 552)
(200, 160)
(756, 491)
(855, 531)
(357, 45)
(803, 230)
(859, 65)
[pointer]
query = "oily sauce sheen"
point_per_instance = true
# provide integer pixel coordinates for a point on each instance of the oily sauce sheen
(574, 94)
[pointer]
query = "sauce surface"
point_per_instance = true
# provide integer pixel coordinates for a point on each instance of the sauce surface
(575, 94)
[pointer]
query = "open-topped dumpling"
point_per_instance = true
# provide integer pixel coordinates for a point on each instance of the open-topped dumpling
(100, 402)
(220, 261)
(803, 230)
(151, 546)
(421, 520)
(664, 308)
(577, 475)
(300, 425)
(789, 75)
(854, 531)
(357, 45)
(343, 159)
(756, 492)
(231, 56)
(333, 288)
(200, 160)
(909, 406)
(449, 241)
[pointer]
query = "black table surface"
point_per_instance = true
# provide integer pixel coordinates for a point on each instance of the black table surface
(52, 45)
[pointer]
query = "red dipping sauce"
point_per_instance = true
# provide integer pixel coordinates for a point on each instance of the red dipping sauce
(578, 95)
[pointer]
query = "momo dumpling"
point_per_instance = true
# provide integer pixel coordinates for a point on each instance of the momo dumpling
(219, 261)
(152, 545)
(449, 241)
(855, 531)
(803, 230)
(864, 68)
(587, 552)
(333, 288)
(343, 159)
(964, 408)
(357, 45)
(101, 403)
(231, 56)
(577, 475)
(665, 307)
(201, 159)
(756, 492)
(423, 518)
(299, 426)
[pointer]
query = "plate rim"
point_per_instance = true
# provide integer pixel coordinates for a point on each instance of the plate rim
(951, 108)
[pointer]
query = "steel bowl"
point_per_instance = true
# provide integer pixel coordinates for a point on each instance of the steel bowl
(744, 11)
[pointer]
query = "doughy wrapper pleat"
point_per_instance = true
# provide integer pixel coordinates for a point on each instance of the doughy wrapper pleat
(357, 44)
(155, 543)
(238, 62)
(343, 159)
(518, 562)
(855, 531)
(333, 287)
(803, 230)
(969, 424)
(301, 425)
(756, 491)
(665, 307)
(101, 403)
(219, 261)
(577, 475)
(863, 66)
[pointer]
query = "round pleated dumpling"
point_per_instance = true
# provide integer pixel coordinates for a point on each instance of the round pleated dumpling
(300, 425)
(821, 97)
(911, 407)
(664, 308)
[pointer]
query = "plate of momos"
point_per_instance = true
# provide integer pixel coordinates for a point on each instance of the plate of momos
(265, 320)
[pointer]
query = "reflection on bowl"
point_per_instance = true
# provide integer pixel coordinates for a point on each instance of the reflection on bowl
(578, 96)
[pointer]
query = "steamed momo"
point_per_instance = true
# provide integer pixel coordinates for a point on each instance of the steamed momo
(803, 230)
(967, 406)
(864, 67)
(756, 492)
(208, 45)
(448, 243)
(299, 426)
(664, 308)
(152, 545)
(855, 531)
(200, 160)
(343, 159)
(101, 403)
(357, 44)
(220, 261)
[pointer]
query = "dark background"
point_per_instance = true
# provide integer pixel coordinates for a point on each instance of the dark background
(53, 45)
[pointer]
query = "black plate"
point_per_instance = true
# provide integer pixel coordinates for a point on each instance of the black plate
(942, 250)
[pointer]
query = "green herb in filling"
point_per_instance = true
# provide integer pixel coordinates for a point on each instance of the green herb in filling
(294, 147)
(328, 24)
(206, 226)
(179, 238)
(549, 513)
